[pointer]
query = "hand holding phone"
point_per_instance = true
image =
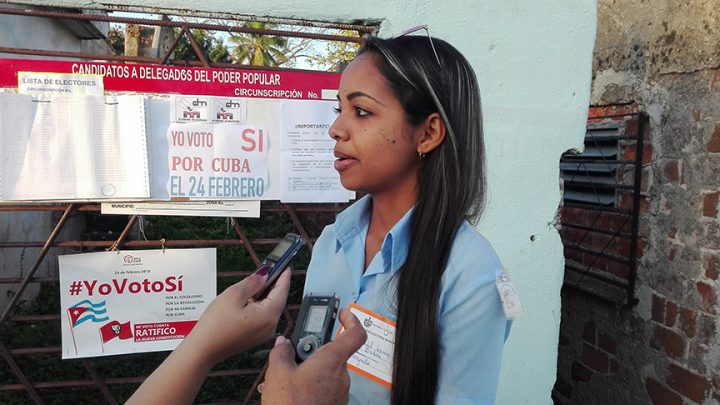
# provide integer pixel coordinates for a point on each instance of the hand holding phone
(276, 262)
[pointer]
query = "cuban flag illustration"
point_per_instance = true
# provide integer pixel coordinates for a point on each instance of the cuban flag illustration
(87, 310)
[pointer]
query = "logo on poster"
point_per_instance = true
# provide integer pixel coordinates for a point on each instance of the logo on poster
(224, 115)
(191, 114)
(130, 260)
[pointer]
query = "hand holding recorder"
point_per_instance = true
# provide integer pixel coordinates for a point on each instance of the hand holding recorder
(315, 323)
(323, 378)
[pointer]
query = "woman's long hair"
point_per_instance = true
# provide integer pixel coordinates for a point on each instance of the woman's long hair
(451, 189)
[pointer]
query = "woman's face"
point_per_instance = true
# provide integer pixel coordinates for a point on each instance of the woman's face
(376, 148)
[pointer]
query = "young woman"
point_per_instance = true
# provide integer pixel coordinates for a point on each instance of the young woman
(409, 135)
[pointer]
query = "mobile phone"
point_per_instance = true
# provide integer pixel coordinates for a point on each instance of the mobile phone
(315, 324)
(278, 260)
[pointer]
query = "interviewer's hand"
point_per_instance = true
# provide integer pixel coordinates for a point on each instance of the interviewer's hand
(234, 322)
(322, 379)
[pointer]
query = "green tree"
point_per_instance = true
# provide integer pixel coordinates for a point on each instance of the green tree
(116, 39)
(336, 54)
(261, 50)
(212, 47)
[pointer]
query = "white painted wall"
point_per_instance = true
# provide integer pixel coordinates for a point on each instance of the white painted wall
(533, 60)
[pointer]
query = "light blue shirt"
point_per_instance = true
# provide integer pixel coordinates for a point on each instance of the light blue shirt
(472, 325)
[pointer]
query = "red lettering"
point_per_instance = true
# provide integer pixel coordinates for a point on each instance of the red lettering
(192, 164)
(171, 286)
(90, 286)
(177, 138)
(246, 136)
(104, 289)
(196, 139)
(119, 288)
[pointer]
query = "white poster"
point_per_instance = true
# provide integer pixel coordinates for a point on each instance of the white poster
(227, 109)
(207, 109)
(132, 301)
(60, 83)
(217, 161)
(307, 153)
(190, 108)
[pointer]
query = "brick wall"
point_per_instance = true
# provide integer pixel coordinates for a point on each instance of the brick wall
(661, 56)
(665, 349)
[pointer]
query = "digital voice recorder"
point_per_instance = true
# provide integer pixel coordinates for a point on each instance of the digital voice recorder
(276, 262)
(315, 324)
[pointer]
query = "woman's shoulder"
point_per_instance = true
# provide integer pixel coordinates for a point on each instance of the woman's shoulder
(328, 236)
(470, 274)
(472, 261)
(472, 256)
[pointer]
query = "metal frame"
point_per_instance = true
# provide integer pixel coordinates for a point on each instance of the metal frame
(95, 378)
(185, 30)
(295, 213)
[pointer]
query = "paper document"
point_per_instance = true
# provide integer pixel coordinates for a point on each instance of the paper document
(307, 153)
(72, 147)
(239, 209)
(60, 83)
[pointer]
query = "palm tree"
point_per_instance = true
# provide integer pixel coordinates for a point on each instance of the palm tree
(258, 49)
(212, 47)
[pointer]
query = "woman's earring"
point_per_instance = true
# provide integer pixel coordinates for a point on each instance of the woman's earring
(421, 155)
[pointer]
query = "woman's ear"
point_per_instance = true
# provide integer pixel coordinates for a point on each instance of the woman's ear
(432, 135)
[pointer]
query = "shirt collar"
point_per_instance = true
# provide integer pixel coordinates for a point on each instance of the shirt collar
(353, 223)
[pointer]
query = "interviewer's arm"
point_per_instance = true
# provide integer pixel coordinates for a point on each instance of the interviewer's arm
(232, 323)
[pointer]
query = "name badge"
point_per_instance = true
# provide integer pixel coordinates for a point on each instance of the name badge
(374, 360)
(508, 296)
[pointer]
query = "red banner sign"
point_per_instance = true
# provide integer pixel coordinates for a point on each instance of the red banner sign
(150, 332)
(167, 79)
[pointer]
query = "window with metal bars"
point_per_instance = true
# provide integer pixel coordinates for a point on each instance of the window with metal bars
(600, 212)
(590, 177)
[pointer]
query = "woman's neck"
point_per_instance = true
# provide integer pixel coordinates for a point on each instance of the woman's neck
(387, 210)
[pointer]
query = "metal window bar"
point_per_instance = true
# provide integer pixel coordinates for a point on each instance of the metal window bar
(602, 226)
(18, 378)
